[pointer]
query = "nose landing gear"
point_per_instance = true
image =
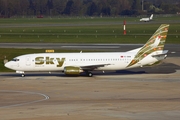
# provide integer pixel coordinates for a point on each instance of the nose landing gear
(21, 72)
(23, 75)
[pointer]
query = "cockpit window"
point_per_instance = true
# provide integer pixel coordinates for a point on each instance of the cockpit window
(15, 59)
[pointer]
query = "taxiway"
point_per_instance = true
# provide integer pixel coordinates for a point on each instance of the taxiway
(136, 94)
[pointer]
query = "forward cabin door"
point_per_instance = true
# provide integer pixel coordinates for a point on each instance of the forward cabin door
(28, 61)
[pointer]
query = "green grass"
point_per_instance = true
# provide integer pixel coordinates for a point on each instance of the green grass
(86, 34)
(84, 29)
(82, 20)
(67, 20)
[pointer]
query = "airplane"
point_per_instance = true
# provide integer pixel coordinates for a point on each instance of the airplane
(86, 62)
(147, 19)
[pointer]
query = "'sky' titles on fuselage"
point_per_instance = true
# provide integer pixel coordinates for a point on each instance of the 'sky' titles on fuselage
(49, 61)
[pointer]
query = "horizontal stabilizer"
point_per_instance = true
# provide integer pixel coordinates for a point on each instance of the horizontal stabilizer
(164, 53)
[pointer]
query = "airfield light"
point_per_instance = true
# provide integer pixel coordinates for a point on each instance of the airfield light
(124, 26)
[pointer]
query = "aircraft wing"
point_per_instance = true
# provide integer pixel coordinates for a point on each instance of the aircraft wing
(92, 67)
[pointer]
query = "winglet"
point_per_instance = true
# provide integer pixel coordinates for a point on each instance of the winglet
(155, 43)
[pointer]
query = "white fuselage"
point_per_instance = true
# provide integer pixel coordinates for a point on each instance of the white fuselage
(58, 61)
(147, 19)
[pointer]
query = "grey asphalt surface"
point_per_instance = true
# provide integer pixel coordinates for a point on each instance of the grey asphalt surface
(140, 96)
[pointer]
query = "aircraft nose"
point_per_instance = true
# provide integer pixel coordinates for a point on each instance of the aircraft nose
(7, 65)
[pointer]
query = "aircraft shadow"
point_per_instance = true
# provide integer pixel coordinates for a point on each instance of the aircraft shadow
(163, 68)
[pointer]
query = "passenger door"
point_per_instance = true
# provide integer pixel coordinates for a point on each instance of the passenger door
(28, 61)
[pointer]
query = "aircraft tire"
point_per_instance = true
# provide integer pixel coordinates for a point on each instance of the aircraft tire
(23, 75)
(90, 74)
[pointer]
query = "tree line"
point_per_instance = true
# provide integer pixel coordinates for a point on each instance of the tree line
(9, 8)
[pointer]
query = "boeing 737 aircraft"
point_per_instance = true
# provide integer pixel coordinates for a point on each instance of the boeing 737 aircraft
(147, 19)
(76, 63)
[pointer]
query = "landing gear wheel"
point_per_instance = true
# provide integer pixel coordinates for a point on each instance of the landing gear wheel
(23, 75)
(90, 74)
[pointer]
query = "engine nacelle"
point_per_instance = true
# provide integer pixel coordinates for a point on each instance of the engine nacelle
(71, 70)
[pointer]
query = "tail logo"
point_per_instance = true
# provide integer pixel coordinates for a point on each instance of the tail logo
(156, 42)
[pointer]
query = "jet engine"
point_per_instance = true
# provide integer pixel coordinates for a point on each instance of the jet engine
(71, 70)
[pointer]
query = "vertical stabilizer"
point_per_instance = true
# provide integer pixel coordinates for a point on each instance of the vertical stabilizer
(151, 17)
(155, 43)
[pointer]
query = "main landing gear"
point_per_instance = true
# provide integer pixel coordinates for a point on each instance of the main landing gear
(89, 74)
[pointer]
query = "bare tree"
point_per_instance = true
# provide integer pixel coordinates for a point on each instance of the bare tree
(10, 8)
(58, 6)
(76, 7)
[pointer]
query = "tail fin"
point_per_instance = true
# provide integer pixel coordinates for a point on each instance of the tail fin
(155, 43)
(158, 39)
(151, 17)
